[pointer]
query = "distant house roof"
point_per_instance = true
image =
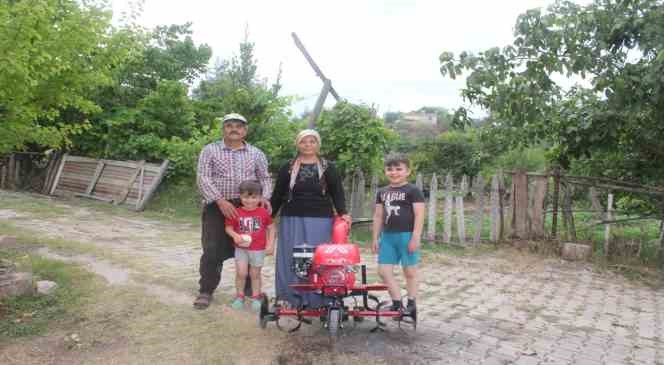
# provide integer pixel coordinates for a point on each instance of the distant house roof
(419, 117)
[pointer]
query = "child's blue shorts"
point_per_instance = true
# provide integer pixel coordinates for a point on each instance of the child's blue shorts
(393, 249)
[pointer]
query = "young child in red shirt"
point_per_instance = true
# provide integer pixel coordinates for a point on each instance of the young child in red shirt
(253, 233)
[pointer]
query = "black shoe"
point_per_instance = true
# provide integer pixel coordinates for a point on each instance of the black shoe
(396, 307)
(410, 308)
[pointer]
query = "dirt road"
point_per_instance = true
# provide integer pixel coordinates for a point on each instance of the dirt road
(500, 307)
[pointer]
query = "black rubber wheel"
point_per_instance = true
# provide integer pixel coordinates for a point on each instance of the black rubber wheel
(264, 314)
(333, 322)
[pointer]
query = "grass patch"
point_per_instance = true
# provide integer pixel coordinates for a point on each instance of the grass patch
(37, 205)
(179, 203)
(31, 238)
(176, 200)
(31, 315)
(35, 239)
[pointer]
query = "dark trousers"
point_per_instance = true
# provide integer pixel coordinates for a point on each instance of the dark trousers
(217, 248)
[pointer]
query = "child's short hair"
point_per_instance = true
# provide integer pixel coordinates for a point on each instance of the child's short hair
(251, 187)
(394, 159)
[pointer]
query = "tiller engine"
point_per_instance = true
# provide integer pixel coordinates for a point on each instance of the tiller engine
(329, 271)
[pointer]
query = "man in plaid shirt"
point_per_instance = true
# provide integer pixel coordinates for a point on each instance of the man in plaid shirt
(222, 166)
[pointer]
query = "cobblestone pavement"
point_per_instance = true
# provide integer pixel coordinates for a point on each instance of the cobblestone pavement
(504, 307)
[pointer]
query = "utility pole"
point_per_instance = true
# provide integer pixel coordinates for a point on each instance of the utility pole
(327, 83)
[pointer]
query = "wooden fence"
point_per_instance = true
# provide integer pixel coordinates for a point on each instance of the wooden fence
(129, 183)
(464, 212)
(451, 196)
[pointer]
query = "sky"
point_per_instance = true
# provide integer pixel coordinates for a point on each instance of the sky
(383, 53)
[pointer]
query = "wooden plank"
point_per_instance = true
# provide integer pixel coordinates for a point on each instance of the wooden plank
(50, 172)
(361, 195)
(374, 191)
(567, 211)
(479, 208)
(127, 164)
(418, 181)
(347, 186)
(154, 185)
(313, 117)
(141, 180)
(460, 214)
(3, 177)
(353, 194)
(57, 176)
(431, 223)
(607, 227)
(617, 183)
(153, 169)
(17, 174)
(595, 203)
(447, 209)
(520, 205)
(539, 208)
(81, 159)
(95, 177)
(10, 171)
(495, 208)
(501, 202)
(555, 199)
(660, 254)
(617, 187)
(125, 190)
(74, 187)
(81, 195)
(313, 64)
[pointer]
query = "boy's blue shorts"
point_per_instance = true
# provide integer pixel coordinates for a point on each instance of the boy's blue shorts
(393, 249)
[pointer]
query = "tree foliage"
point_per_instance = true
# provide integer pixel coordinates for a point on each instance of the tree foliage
(613, 49)
(53, 54)
(453, 152)
(354, 137)
(234, 86)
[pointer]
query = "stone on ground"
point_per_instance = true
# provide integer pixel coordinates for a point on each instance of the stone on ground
(576, 252)
(46, 287)
(15, 284)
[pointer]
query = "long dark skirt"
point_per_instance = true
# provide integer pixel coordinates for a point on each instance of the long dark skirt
(296, 231)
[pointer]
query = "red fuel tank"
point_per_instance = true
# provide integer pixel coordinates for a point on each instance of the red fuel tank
(340, 231)
(336, 254)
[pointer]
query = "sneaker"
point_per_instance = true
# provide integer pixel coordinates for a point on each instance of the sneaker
(396, 306)
(411, 307)
(255, 304)
(238, 303)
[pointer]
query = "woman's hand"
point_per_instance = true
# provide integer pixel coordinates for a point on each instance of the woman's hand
(348, 219)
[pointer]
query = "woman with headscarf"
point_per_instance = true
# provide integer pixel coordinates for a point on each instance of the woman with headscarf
(309, 193)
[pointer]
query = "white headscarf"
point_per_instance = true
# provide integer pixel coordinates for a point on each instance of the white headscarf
(296, 164)
(306, 133)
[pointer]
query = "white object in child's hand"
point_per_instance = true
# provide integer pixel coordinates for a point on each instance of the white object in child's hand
(246, 240)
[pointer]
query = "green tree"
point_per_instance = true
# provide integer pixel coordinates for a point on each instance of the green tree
(615, 49)
(354, 137)
(454, 152)
(234, 86)
(53, 55)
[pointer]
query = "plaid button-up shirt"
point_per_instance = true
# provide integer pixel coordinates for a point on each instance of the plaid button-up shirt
(222, 169)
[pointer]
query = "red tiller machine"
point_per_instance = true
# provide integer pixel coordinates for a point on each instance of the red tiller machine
(329, 271)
